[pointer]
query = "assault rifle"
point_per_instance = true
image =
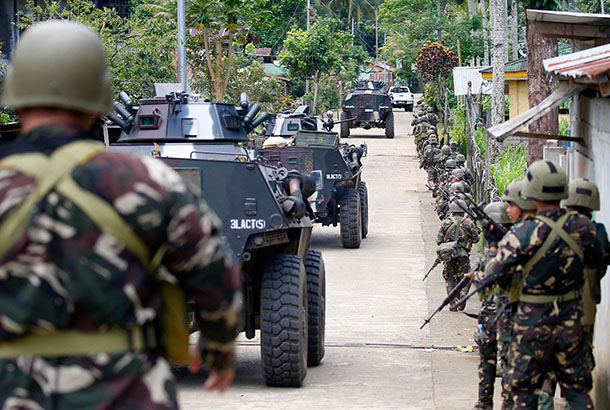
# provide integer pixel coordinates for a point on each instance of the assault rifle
(452, 295)
(476, 212)
(481, 285)
(434, 265)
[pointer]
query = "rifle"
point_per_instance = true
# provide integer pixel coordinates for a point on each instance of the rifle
(456, 291)
(481, 285)
(436, 262)
(476, 212)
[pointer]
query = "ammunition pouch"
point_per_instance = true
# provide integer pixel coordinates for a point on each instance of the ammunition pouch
(588, 297)
(54, 173)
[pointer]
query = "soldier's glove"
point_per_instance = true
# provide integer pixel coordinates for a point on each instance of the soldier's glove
(493, 236)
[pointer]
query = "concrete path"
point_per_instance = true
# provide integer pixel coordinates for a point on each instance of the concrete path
(376, 356)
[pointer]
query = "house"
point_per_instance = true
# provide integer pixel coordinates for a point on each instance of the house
(586, 79)
(515, 73)
(380, 71)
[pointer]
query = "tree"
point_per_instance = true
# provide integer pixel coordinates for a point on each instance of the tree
(139, 51)
(324, 50)
(218, 26)
(434, 64)
(540, 82)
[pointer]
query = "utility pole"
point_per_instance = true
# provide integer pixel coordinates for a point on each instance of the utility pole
(603, 6)
(352, 26)
(182, 45)
(308, 28)
(376, 33)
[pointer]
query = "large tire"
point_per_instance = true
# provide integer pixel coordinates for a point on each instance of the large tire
(344, 130)
(284, 321)
(364, 207)
(316, 307)
(389, 125)
(350, 219)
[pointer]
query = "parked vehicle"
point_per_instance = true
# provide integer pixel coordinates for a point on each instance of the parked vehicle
(402, 97)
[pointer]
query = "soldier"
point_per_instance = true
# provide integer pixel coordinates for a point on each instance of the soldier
(453, 145)
(446, 151)
(85, 318)
(553, 249)
(455, 237)
(584, 198)
(460, 159)
(518, 210)
(487, 334)
(429, 161)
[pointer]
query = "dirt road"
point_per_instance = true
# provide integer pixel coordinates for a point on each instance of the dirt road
(376, 356)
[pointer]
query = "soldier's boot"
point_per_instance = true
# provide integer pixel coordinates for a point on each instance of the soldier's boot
(483, 406)
(545, 399)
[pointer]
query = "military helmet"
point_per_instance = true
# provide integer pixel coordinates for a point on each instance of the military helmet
(445, 150)
(457, 187)
(497, 212)
(455, 208)
(59, 64)
(430, 132)
(458, 173)
(433, 141)
(460, 158)
(513, 194)
(453, 144)
(429, 110)
(420, 113)
(545, 181)
(583, 193)
(450, 163)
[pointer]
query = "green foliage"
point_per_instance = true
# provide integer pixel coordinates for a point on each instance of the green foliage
(510, 166)
(564, 126)
(139, 50)
(284, 16)
(409, 24)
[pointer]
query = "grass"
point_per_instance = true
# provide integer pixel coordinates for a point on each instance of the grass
(510, 166)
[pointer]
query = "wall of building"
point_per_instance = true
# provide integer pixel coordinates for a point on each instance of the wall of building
(591, 121)
(517, 93)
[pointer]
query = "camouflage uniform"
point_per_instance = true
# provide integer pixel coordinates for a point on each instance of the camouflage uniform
(487, 340)
(465, 232)
(65, 273)
(548, 336)
(429, 163)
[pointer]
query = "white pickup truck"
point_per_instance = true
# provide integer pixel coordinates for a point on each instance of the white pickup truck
(401, 97)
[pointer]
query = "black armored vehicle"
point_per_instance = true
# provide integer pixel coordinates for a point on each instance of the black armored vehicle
(265, 215)
(289, 123)
(343, 199)
(367, 107)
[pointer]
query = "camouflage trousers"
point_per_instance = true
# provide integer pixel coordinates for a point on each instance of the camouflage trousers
(549, 338)
(453, 272)
(505, 337)
(101, 381)
(488, 350)
(432, 176)
(589, 357)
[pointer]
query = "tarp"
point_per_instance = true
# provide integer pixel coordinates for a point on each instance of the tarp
(461, 76)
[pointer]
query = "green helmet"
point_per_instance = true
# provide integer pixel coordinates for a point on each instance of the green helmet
(458, 173)
(583, 193)
(460, 158)
(513, 194)
(457, 187)
(455, 208)
(497, 212)
(450, 164)
(429, 110)
(430, 132)
(545, 181)
(445, 150)
(433, 141)
(59, 64)
(453, 144)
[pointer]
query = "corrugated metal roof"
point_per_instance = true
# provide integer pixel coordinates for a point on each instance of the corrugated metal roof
(587, 63)
(515, 66)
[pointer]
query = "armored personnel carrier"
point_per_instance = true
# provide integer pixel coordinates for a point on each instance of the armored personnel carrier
(265, 215)
(343, 199)
(288, 124)
(367, 107)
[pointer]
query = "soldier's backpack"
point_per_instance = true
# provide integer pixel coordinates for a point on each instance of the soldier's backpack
(450, 250)
(55, 173)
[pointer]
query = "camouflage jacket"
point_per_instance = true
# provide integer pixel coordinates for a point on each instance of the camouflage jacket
(560, 270)
(64, 273)
(466, 230)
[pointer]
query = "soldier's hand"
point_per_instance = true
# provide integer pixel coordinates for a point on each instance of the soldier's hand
(492, 236)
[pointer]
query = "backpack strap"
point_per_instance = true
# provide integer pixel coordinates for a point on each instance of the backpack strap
(55, 173)
(556, 230)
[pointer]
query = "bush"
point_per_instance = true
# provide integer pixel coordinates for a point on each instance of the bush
(510, 166)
